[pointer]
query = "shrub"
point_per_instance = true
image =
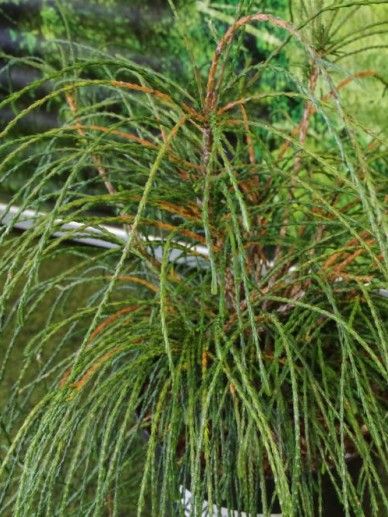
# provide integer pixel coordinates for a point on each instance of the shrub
(241, 324)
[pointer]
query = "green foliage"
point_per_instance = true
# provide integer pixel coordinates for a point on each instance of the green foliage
(241, 324)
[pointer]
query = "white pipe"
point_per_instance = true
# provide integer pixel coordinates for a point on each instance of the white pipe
(14, 217)
(188, 506)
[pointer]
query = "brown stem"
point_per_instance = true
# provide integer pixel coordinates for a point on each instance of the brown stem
(251, 150)
(225, 41)
(134, 138)
(139, 281)
(338, 254)
(358, 75)
(98, 329)
(308, 111)
(70, 99)
(158, 94)
(339, 268)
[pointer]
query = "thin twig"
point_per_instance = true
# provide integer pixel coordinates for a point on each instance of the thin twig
(70, 99)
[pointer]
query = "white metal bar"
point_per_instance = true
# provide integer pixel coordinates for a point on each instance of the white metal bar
(15, 217)
(188, 505)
